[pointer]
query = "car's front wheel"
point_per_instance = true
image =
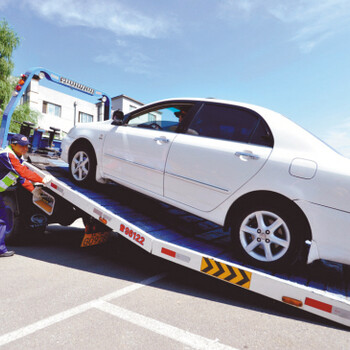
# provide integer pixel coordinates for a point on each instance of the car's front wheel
(82, 165)
(270, 236)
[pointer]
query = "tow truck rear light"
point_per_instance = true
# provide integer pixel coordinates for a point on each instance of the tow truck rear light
(21, 82)
(103, 220)
(292, 301)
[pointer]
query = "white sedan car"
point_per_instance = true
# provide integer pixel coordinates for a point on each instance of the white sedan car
(275, 186)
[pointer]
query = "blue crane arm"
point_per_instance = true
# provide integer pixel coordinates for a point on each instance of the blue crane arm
(55, 78)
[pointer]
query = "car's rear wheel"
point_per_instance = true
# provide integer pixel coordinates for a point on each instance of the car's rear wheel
(82, 165)
(269, 236)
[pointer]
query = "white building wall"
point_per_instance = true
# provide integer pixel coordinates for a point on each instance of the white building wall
(68, 111)
(38, 95)
(125, 104)
(117, 104)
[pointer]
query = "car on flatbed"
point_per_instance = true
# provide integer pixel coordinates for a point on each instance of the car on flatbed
(282, 192)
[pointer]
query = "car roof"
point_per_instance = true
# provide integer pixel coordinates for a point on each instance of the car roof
(286, 133)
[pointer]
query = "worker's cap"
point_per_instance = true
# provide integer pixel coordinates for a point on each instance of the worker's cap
(19, 139)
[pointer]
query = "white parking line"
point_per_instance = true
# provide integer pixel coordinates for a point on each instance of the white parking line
(22, 332)
(193, 340)
(182, 336)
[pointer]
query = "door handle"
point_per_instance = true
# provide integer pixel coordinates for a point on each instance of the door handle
(161, 139)
(247, 154)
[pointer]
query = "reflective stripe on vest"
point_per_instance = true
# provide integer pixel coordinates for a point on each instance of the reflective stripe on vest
(11, 177)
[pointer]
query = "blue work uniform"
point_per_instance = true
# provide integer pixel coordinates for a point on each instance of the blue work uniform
(11, 171)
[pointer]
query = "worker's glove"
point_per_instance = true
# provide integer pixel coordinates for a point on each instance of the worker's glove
(47, 179)
(37, 193)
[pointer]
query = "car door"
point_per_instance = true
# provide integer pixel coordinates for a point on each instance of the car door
(134, 154)
(224, 147)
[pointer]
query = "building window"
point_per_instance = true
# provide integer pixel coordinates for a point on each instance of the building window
(85, 118)
(50, 108)
(152, 117)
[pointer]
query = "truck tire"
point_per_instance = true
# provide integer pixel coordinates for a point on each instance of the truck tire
(26, 224)
(13, 229)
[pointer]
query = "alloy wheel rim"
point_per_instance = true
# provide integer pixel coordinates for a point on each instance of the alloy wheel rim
(265, 236)
(80, 166)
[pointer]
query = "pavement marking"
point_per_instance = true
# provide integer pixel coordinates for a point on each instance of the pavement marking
(133, 287)
(177, 334)
(34, 327)
(193, 340)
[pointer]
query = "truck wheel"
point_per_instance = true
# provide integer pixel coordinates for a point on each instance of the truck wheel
(37, 224)
(269, 236)
(25, 223)
(82, 165)
(13, 229)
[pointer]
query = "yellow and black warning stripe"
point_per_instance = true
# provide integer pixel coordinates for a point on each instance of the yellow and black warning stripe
(225, 272)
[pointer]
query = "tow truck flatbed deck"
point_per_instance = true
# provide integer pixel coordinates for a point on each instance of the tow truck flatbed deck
(322, 288)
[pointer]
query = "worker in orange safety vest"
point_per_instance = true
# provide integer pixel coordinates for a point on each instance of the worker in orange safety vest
(11, 171)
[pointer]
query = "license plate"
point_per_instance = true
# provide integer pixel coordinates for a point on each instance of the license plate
(91, 239)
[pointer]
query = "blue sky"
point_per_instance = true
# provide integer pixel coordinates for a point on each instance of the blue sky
(290, 56)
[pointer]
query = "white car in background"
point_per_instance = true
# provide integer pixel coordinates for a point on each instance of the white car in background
(271, 183)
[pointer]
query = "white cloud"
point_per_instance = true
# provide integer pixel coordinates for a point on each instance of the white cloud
(131, 60)
(245, 5)
(105, 14)
(3, 4)
(234, 8)
(312, 21)
(338, 137)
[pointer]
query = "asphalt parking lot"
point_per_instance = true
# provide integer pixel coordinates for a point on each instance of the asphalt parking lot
(55, 294)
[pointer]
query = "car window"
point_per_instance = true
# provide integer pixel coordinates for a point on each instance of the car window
(262, 135)
(167, 118)
(224, 122)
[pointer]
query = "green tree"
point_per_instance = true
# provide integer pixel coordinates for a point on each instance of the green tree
(8, 42)
(22, 113)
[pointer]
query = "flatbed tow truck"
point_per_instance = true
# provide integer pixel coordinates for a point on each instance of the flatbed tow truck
(321, 288)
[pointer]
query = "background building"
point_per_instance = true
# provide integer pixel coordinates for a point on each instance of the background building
(63, 111)
(125, 103)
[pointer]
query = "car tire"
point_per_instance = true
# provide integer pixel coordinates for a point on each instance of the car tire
(82, 165)
(270, 236)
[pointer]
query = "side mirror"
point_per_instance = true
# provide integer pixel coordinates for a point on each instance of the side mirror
(118, 117)
(117, 122)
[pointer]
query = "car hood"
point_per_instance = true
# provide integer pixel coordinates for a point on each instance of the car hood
(76, 130)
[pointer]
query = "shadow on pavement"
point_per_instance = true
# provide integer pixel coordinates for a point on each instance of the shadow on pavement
(121, 259)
